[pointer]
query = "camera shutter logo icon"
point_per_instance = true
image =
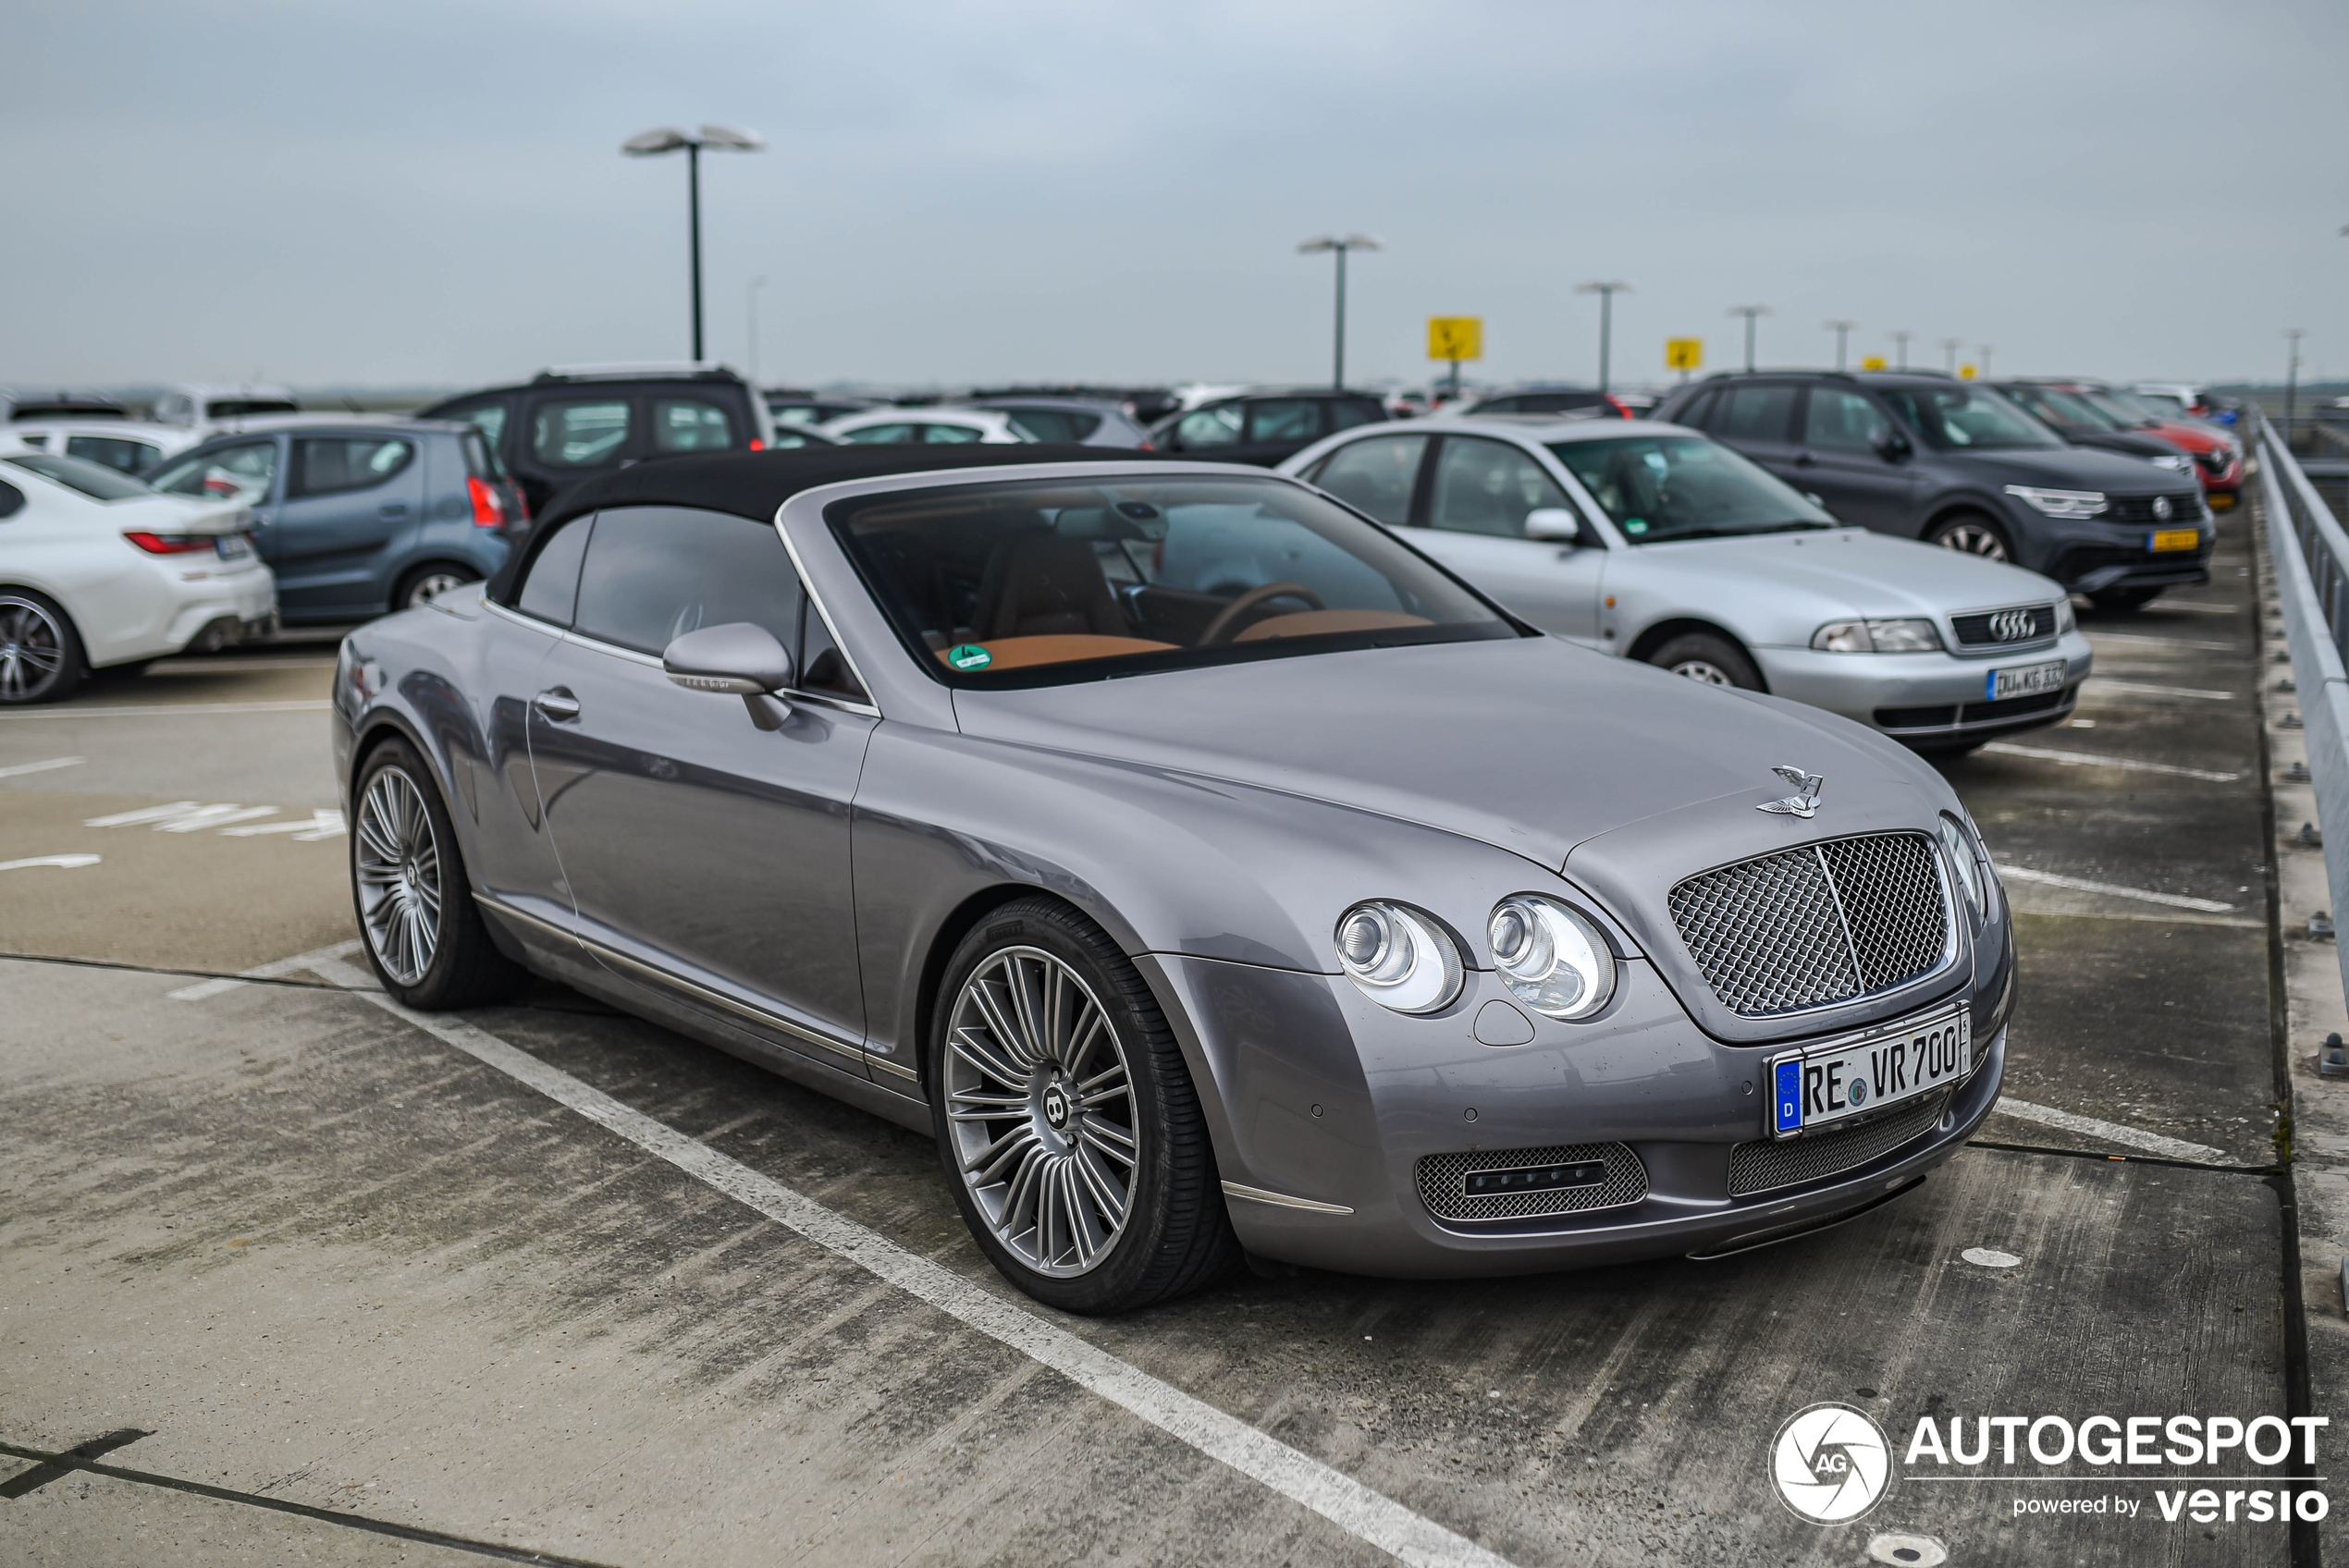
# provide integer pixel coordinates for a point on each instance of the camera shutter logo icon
(1831, 1463)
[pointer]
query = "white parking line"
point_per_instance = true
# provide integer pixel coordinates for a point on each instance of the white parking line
(2175, 900)
(67, 862)
(2161, 642)
(1368, 1515)
(2089, 759)
(2112, 685)
(324, 823)
(2201, 608)
(2110, 1131)
(24, 767)
(307, 705)
(270, 970)
(187, 816)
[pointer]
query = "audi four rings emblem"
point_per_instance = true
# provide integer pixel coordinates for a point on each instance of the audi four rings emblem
(2011, 626)
(2161, 509)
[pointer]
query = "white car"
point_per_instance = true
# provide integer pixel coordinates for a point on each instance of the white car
(98, 570)
(125, 445)
(208, 409)
(1652, 542)
(933, 427)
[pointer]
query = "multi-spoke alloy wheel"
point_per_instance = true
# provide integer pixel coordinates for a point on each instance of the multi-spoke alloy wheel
(396, 861)
(39, 658)
(1040, 1106)
(1704, 671)
(1975, 538)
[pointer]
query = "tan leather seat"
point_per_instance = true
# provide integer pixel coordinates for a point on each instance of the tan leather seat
(1041, 584)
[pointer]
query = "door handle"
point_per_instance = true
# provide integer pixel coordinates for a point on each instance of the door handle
(1804, 460)
(557, 704)
(395, 509)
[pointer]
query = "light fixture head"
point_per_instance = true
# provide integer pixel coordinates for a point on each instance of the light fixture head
(733, 139)
(652, 143)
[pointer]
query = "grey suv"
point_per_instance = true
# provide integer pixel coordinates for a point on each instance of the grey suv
(1929, 457)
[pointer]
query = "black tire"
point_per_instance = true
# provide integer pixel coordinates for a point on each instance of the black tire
(1707, 658)
(1174, 1235)
(1975, 533)
(2121, 601)
(40, 654)
(391, 866)
(421, 583)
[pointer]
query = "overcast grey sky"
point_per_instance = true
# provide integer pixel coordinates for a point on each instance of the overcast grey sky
(431, 193)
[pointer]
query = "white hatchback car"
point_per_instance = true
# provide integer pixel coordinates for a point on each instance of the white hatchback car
(126, 445)
(1654, 542)
(98, 570)
(933, 427)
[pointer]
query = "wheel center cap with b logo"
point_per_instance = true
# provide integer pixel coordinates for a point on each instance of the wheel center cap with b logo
(1056, 1108)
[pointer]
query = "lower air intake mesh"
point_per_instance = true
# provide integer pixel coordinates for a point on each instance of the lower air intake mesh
(1442, 1182)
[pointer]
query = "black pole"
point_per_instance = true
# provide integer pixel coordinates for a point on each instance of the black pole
(1748, 342)
(1606, 332)
(1337, 371)
(692, 198)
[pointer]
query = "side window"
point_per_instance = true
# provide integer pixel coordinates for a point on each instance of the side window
(689, 424)
(653, 573)
(579, 433)
(1700, 412)
(952, 435)
(882, 434)
(1217, 426)
(11, 499)
(327, 465)
(550, 592)
(1839, 420)
(1348, 412)
(820, 665)
(126, 457)
(1487, 487)
(1376, 476)
(1754, 413)
(241, 473)
(488, 415)
(1284, 418)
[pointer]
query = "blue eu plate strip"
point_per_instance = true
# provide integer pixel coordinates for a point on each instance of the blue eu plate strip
(1789, 1095)
(1990, 686)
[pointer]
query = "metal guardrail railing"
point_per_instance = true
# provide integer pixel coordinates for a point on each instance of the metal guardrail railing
(2310, 552)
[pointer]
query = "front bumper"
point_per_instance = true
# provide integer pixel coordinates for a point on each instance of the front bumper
(1926, 697)
(1328, 1104)
(2090, 556)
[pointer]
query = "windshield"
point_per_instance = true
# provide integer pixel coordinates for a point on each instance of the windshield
(2131, 408)
(1039, 583)
(93, 480)
(1661, 487)
(1962, 419)
(2067, 409)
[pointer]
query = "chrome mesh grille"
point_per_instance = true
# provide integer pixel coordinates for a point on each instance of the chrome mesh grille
(1442, 1182)
(1768, 1163)
(1822, 923)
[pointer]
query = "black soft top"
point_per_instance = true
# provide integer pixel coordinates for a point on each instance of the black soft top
(756, 484)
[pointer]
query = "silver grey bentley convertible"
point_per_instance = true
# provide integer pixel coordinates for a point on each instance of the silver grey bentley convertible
(1204, 868)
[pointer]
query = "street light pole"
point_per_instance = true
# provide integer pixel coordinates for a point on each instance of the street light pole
(1984, 351)
(1949, 347)
(1749, 312)
(2292, 378)
(1330, 242)
(751, 300)
(1606, 292)
(1902, 339)
(1843, 330)
(667, 139)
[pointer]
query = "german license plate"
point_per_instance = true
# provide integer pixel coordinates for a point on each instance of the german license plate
(1853, 1075)
(233, 546)
(2025, 680)
(2174, 539)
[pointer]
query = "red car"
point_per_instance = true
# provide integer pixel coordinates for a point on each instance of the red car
(2218, 461)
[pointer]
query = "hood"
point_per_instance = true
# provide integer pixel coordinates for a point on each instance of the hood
(1851, 571)
(1530, 744)
(2133, 443)
(2067, 468)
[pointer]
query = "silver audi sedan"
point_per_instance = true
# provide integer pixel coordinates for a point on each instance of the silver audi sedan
(1656, 543)
(1204, 867)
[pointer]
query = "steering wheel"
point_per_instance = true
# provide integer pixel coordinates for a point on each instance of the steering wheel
(1220, 629)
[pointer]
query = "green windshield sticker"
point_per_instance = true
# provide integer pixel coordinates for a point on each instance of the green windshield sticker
(1635, 525)
(970, 656)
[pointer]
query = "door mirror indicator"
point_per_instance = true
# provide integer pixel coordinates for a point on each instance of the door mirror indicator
(1890, 444)
(1554, 523)
(738, 658)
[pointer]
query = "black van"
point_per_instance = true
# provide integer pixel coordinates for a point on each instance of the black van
(582, 421)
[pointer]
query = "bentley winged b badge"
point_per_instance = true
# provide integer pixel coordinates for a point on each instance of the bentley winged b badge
(1804, 801)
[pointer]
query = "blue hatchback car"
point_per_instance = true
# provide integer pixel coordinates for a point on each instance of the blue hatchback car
(358, 517)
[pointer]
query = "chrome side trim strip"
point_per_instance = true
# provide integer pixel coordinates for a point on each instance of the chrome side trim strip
(896, 1070)
(638, 969)
(1282, 1200)
(511, 913)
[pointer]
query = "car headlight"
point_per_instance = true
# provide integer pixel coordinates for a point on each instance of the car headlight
(2065, 622)
(1912, 635)
(1971, 856)
(1550, 958)
(2059, 503)
(1398, 957)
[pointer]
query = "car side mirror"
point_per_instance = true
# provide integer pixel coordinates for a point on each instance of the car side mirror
(1890, 444)
(739, 658)
(1554, 523)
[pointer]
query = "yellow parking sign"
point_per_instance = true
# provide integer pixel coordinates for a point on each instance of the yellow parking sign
(1965, 372)
(1456, 337)
(1873, 361)
(1684, 354)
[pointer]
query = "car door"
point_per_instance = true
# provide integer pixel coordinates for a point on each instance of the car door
(351, 502)
(1757, 417)
(233, 471)
(1477, 495)
(1279, 428)
(1376, 476)
(705, 857)
(1837, 461)
(571, 435)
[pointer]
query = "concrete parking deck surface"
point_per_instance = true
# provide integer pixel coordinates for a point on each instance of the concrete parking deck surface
(324, 1258)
